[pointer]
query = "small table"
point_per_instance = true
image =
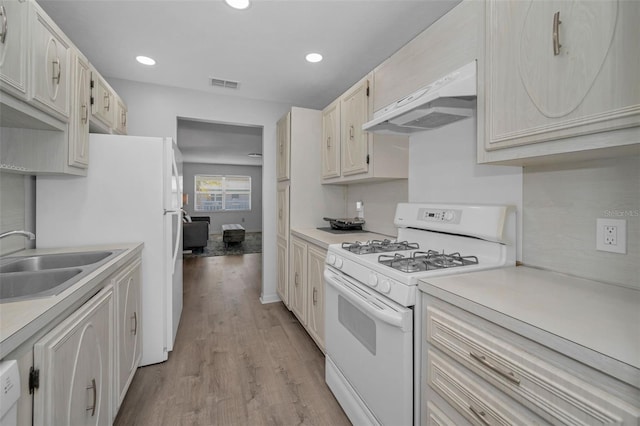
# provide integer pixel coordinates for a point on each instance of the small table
(232, 233)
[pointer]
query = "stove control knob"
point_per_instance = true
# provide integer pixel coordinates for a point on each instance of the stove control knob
(331, 259)
(385, 286)
(449, 216)
(373, 279)
(338, 263)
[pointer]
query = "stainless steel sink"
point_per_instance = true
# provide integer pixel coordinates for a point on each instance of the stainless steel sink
(21, 284)
(30, 277)
(54, 261)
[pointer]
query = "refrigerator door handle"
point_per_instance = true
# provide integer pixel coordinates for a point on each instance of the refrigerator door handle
(166, 212)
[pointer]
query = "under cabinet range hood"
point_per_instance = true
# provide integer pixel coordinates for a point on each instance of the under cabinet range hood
(446, 100)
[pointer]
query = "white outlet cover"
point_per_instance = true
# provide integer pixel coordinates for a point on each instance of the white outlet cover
(621, 235)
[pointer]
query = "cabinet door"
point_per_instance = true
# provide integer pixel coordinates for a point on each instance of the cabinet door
(121, 117)
(50, 65)
(283, 155)
(79, 121)
(297, 279)
(283, 272)
(315, 280)
(283, 211)
(330, 147)
(102, 101)
(128, 330)
(13, 47)
(354, 141)
(557, 69)
(75, 363)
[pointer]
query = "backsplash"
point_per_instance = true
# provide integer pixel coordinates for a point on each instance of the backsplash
(379, 200)
(561, 205)
(12, 211)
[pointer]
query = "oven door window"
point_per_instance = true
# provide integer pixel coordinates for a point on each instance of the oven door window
(359, 325)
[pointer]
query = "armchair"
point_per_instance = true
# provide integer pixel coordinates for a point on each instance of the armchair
(195, 234)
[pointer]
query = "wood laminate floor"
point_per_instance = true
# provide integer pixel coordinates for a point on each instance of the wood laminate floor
(235, 361)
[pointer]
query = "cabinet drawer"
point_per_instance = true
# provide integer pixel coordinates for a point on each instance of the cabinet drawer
(549, 391)
(471, 396)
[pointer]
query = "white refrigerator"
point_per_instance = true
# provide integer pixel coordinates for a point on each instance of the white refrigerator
(132, 192)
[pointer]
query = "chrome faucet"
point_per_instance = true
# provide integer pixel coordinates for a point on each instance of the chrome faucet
(27, 234)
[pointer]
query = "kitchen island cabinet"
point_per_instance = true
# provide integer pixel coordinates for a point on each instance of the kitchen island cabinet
(513, 341)
(560, 81)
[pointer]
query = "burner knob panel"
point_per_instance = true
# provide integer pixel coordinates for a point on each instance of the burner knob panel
(373, 279)
(385, 286)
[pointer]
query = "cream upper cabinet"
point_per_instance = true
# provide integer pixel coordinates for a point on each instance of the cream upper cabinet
(128, 329)
(50, 65)
(103, 104)
(315, 299)
(330, 143)
(283, 154)
(80, 111)
(75, 363)
(298, 279)
(13, 47)
(282, 205)
(556, 70)
(354, 112)
(282, 287)
(120, 117)
(359, 156)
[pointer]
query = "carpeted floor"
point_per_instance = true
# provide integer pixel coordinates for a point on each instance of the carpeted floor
(252, 244)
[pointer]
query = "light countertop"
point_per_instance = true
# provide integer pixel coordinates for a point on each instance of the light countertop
(324, 239)
(600, 320)
(20, 320)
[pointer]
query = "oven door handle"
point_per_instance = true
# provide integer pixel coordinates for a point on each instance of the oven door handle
(384, 314)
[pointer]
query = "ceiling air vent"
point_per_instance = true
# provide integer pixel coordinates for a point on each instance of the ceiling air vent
(229, 84)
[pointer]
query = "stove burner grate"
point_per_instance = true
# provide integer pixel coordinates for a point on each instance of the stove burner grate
(420, 261)
(379, 246)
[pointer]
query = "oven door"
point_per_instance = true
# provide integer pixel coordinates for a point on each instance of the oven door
(369, 352)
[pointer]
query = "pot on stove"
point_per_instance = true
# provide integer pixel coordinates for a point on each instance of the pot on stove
(354, 223)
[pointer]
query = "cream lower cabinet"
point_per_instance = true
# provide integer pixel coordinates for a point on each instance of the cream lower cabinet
(128, 322)
(315, 300)
(298, 279)
(561, 78)
(282, 286)
(487, 374)
(306, 287)
(75, 360)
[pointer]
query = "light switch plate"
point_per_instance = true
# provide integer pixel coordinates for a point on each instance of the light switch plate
(611, 235)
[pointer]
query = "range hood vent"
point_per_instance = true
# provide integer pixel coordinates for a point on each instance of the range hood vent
(447, 100)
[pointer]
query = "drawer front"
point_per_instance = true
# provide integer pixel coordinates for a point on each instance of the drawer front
(549, 391)
(434, 416)
(471, 396)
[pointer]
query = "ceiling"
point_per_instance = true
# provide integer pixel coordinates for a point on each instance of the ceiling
(262, 47)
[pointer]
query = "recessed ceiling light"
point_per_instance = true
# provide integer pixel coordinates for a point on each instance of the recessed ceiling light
(238, 4)
(313, 57)
(255, 155)
(145, 60)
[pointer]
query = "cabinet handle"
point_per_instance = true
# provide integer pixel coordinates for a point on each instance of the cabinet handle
(315, 294)
(556, 34)
(56, 78)
(280, 214)
(479, 415)
(506, 374)
(107, 101)
(295, 280)
(92, 408)
(85, 114)
(351, 131)
(3, 31)
(135, 323)
(329, 142)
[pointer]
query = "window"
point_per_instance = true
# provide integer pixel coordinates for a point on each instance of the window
(222, 193)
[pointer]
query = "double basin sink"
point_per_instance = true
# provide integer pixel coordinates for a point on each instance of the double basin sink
(29, 277)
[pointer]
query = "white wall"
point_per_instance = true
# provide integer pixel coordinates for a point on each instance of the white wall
(442, 168)
(153, 111)
(380, 200)
(562, 203)
(250, 220)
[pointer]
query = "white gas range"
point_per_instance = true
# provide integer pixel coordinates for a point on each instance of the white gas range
(371, 288)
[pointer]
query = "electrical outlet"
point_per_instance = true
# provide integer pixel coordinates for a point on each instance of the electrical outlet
(611, 235)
